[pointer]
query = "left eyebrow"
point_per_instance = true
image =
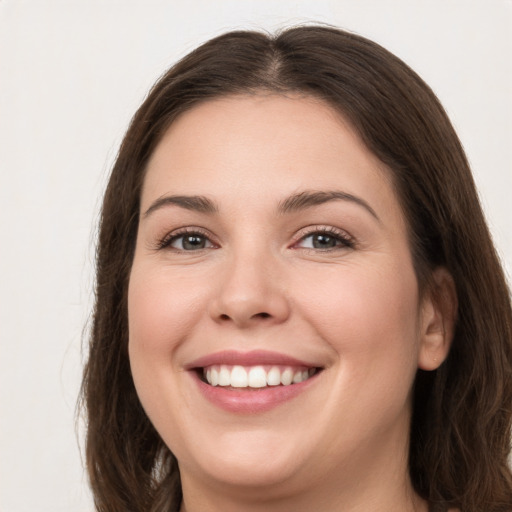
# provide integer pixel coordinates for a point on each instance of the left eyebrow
(196, 203)
(310, 198)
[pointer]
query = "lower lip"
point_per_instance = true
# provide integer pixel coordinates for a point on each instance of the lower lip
(251, 400)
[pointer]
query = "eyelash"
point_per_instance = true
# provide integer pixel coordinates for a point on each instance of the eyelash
(346, 241)
(167, 240)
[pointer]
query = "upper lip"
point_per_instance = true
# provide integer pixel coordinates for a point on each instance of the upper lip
(251, 358)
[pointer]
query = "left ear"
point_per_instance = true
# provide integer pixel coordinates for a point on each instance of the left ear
(438, 315)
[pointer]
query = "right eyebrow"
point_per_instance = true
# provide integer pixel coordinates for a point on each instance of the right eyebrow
(196, 203)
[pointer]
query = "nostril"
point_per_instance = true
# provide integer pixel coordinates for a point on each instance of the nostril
(243, 318)
(257, 315)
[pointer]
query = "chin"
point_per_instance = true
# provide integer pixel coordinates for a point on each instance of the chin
(247, 460)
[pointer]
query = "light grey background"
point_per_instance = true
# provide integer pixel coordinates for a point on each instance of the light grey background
(71, 75)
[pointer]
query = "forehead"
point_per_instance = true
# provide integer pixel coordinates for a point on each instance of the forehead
(263, 147)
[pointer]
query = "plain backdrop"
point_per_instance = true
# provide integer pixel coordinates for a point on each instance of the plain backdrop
(72, 74)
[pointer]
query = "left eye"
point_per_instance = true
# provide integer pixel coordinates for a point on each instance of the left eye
(190, 242)
(321, 240)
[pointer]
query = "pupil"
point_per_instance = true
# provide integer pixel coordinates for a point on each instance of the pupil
(193, 242)
(323, 241)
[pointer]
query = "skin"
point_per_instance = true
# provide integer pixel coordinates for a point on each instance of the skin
(258, 283)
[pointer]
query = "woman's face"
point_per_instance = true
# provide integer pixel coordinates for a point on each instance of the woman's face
(274, 317)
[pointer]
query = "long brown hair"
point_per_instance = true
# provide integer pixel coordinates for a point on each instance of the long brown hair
(460, 431)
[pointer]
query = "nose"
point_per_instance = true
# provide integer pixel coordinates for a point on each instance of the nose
(250, 293)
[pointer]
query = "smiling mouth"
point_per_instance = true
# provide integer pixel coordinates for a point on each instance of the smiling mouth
(254, 377)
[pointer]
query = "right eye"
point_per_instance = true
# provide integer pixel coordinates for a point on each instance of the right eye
(186, 241)
(190, 242)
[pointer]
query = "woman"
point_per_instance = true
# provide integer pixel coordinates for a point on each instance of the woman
(299, 306)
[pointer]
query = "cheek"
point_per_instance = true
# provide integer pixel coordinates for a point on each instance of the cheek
(161, 313)
(161, 310)
(370, 321)
(369, 316)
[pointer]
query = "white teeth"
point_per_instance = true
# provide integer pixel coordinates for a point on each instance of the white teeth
(287, 377)
(214, 377)
(255, 376)
(297, 377)
(224, 376)
(239, 377)
(274, 377)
